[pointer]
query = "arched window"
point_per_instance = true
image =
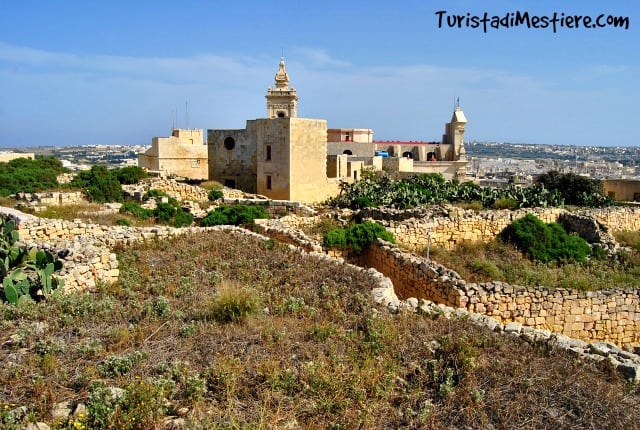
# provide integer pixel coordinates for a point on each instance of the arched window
(407, 154)
(280, 114)
(347, 152)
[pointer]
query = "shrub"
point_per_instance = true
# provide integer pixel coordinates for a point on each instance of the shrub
(123, 222)
(130, 174)
(182, 218)
(506, 203)
(336, 238)
(357, 237)
(26, 175)
(234, 215)
(99, 184)
(136, 210)
(215, 195)
(232, 305)
(545, 242)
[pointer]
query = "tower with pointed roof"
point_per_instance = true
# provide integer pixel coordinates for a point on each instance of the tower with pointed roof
(282, 101)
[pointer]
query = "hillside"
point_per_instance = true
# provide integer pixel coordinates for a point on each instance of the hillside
(218, 330)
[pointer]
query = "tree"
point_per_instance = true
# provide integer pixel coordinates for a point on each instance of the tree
(99, 184)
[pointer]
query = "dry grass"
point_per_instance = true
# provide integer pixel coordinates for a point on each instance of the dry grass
(483, 262)
(310, 352)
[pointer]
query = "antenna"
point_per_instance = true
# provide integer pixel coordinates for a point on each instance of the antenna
(173, 124)
(186, 112)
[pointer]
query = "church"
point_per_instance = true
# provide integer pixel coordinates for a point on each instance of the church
(285, 157)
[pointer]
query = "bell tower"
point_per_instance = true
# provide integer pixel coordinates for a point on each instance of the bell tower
(282, 101)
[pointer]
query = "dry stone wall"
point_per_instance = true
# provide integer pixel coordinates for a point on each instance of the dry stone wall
(611, 315)
(448, 226)
(50, 198)
(178, 190)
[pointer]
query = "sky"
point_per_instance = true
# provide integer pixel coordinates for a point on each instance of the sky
(121, 72)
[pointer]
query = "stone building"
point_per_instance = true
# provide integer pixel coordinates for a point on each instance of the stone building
(181, 154)
(290, 158)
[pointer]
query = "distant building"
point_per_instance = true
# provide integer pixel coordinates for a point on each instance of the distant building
(182, 154)
(8, 156)
(623, 190)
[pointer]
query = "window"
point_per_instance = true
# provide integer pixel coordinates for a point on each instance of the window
(229, 143)
(268, 182)
(347, 152)
(280, 114)
(268, 157)
(347, 137)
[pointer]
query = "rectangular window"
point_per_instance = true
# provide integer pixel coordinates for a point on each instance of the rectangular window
(268, 182)
(268, 158)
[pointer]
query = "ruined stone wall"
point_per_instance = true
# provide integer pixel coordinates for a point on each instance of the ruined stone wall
(609, 315)
(178, 190)
(51, 198)
(448, 226)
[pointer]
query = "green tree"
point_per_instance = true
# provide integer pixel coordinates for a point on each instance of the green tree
(99, 184)
(29, 176)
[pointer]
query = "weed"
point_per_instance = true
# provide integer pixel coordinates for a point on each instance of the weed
(232, 304)
(118, 365)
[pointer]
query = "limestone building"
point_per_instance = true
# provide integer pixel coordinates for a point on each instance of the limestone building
(181, 154)
(290, 158)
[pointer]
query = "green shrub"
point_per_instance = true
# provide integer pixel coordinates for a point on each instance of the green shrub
(545, 242)
(234, 215)
(336, 238)
(506, 203)
(130, 174)
(27, 175)
(182, 218)
(123, 222)
(232, 305)
(136, 210)
(99, 184)
(215, 195)
(357, 237)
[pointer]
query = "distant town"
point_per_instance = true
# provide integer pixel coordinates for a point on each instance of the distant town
(488, 161)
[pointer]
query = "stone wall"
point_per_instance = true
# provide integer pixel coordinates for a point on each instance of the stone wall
(178, 190)
(50, 198)
(447, 226)
(611, 315)
(88, 260)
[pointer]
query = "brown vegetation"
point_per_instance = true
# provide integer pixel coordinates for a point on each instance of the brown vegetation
(241, 333)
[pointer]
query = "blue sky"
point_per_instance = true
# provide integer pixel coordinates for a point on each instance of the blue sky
(113, 72)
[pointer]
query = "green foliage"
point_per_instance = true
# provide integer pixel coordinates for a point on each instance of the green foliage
(121, 364)
(429, 189)
(99, 184)
(136, 210)
(506, 203)
(234, 215)
(215, 195)
(575, 189)
(123, 222)
(232, 305)
(336, 238)
(357, 237)
(23, 272)
(130, 174)
(26, 175)
(165, 213)
(545, 242)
